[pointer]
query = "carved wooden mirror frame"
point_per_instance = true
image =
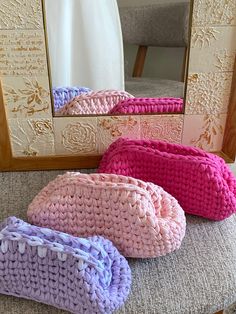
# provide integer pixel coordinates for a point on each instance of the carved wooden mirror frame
(32, 138)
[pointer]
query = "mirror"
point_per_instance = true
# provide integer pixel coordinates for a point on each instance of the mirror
(111, 57)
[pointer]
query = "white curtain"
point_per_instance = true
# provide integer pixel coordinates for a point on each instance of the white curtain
(85, 43)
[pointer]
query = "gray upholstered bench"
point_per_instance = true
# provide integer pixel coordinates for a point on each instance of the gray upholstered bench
(164, 24)
(153, 87)
(200, 278)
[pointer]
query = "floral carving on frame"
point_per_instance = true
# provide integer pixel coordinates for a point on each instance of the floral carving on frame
(111, 128)
(32, 98)
(167, 128)
(32, 137)
(214, 12)
(79, 138)
(42, 127)
(224, 60)
(211, 128)
(21, 14)
(115, 125)
(203, 37)
(208, 93)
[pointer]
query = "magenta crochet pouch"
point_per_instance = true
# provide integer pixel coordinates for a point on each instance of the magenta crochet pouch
(141, 219)
(148, 105)
(201, 182)
(83, 276)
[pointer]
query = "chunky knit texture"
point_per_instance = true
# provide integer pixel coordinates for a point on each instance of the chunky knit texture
(78, 275)
(141, 219)
(201, 182)
(63, 95)
(148, 105)
(100, 102)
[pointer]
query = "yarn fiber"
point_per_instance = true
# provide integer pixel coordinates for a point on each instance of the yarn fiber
(148, 105)
(200, 181)
(83, 276)
(140, 218)
(63, 95)
(100, 102)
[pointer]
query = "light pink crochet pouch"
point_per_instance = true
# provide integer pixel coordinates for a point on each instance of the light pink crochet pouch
(201, 182)
(140, 218)
(99, 102)
(148, 105)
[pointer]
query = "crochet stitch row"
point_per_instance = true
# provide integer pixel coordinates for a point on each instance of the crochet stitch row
(63, 95)
(100, 102)
(140, 218)
(200, 181)
(79, 275)
(42, 238)
(148, 105)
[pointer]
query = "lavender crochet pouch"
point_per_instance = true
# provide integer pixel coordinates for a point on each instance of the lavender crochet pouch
(63, 95)
(74, 274)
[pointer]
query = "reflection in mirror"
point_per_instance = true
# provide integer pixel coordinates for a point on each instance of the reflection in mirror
(117, 57)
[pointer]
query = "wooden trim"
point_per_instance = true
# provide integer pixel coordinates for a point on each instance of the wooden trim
(140, 60)
(226, 158)
(52, 162)
(229, 141)
(187, 59)
(220, 312)
(5, 145)
(184, 65)
(43, 6)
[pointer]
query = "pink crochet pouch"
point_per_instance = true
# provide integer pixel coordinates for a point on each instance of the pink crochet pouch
(100, 102)
(201, 182)
(140, 218)
(148, 105)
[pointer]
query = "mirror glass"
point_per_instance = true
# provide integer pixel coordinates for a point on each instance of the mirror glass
(114, 57)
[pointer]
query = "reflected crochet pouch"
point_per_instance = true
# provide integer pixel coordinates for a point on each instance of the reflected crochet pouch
(63, 95)
(148, 105)
(201, 182)
(140, 218)
(74, 274)
(99, 102)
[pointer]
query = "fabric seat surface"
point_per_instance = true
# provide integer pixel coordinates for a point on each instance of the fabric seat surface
(200, 278)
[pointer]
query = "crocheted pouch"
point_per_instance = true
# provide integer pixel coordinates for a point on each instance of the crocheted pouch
(63, 95)
(148, 105)
(201, 182)
(100, 102)
(141, 219)
(78, 275)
